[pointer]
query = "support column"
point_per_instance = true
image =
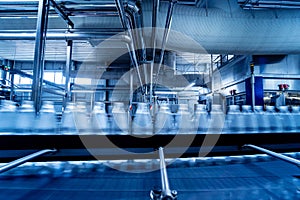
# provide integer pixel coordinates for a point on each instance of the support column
(39, 53)
(67, 72)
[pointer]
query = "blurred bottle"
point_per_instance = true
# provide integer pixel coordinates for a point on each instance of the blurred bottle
(249, 121)
(262, 120)
(274, 119)
(120, 119)
(142, 121)
(8, 116)
(26, 117)
(295, 118)
(183, 120)
(216, 119)
(201, 118)
(46, 121)
(82, 118)
(285, 118)
(100, 119)
(68, 120)
(233, 120)
(164, 120)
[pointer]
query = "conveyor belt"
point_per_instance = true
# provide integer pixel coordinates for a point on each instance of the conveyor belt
(75, 147)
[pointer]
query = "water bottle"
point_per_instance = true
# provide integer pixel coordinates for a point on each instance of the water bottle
(163, 120)
(233, 120)
(8, 116)
(100, 119)
(249, 121)
(82, 119)
(46, 121)
(216, 119)
(201, 118)
(261, 119)
(142, 122)
(68, 120)
(120, 119)
(183, 120)
(295, 117)
(274, 120)
(285, 118)
(26, 117)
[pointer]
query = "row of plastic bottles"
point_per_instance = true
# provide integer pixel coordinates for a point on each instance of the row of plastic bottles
(77, 119)
(22, 119)
(259, 121)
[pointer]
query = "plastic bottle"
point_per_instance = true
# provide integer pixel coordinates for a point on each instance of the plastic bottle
(201, 118)
(120, 120)
(142, 122)
(100, 123)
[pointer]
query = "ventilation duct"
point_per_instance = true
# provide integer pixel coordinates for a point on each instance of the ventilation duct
(229, 29)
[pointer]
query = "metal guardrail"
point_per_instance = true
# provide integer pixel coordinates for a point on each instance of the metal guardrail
(21, 161)
(274, 154)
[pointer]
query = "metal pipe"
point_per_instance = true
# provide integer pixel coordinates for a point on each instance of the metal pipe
(20, 161)
(39, 53)
(274, 154)
(125, 21)
(67, 71)
(153, 42)
(61, 36)
(166, 192)
(61, 13)
(166, 35)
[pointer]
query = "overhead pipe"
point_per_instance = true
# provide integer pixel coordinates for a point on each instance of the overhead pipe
(125, 21)
(39, 54)
(62, 36)
(165, 36)
(155, 10)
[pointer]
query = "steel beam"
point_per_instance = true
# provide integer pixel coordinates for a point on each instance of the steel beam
(39, 52)
(67, 71)
(61, 13)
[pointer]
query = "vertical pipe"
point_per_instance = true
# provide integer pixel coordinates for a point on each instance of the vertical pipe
(67, 71)
(252, 85)
(166, 35)
(12, 79)
(166, 192)
(153, 42)
(39, 51)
